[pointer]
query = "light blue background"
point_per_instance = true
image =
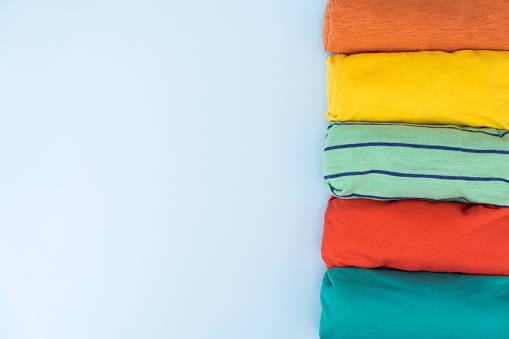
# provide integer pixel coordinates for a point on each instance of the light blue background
(160, 171)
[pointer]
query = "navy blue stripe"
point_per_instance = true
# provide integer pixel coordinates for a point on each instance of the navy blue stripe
(412, 175)
(398, 144)
(417, 126)
(356, 195)
(403, 198)
(333, 191)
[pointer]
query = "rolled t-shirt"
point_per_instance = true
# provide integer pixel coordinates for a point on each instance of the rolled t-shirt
(355, 26)
(417, 235)
(466, 88)
(404, 161)
(383, 303)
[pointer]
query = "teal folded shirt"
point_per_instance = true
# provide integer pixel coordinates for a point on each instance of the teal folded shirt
(385, 161)
(383, 303)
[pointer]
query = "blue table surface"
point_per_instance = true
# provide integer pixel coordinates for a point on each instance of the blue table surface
(161, 169)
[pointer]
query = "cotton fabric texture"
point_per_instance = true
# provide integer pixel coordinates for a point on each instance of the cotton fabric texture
(398, 161)
(355, 26)
(382, 303)
(417, 235)
(469, 88)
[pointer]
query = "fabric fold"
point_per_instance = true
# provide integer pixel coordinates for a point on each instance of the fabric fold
(399, 25)
(385, 161)
(417, 235)
(382, 303)
(466, 88)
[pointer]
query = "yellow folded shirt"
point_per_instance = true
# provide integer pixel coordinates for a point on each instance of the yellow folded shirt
(469, 88)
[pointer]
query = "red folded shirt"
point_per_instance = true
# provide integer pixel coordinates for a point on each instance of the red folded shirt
(417, 235)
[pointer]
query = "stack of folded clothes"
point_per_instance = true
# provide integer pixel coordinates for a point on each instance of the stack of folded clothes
(416, 234)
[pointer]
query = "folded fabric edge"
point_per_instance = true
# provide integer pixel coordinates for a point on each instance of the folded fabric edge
(326, 24)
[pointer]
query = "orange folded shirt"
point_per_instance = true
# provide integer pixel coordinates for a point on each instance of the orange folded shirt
(356, 26)
(417, 235)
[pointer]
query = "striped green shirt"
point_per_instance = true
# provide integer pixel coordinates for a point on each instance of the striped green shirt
(386, 161)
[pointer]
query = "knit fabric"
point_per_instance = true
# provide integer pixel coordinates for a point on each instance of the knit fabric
(417, 235)
(469, 88)
(397, 161)
(354, 26)
(382, 303)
